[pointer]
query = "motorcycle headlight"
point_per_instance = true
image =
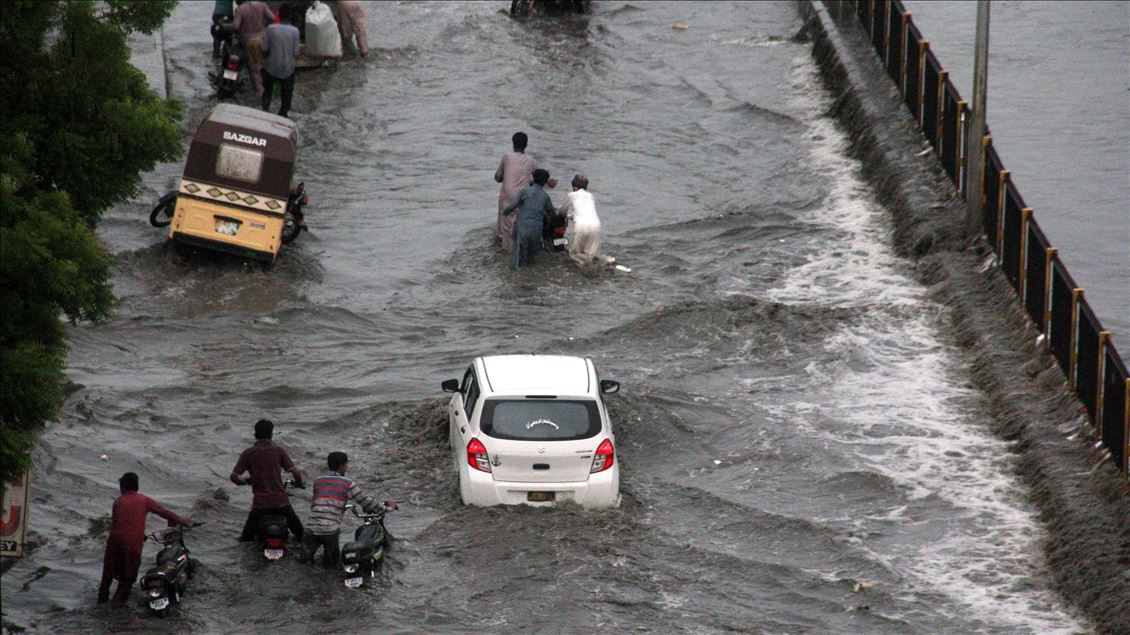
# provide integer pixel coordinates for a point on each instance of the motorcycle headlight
(351, 568)
(155, 592)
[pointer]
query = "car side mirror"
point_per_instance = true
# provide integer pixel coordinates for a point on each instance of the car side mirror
(609, 386)
(451, 385)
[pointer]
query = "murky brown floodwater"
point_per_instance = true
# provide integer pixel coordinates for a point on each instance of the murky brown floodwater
(793, 421)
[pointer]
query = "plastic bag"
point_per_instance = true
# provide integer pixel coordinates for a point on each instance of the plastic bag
(322, 37)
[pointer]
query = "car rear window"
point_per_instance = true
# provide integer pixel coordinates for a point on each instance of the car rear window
(540, 419)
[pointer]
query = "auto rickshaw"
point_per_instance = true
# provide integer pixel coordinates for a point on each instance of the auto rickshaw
(237, 194)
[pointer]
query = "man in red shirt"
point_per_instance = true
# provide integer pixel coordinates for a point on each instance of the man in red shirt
(263, 462)
(127, 535)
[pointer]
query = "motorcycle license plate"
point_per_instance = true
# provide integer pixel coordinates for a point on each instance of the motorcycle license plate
(560, 242)
(159, 604)
(353, 583)
(273, 554)
(230, 74)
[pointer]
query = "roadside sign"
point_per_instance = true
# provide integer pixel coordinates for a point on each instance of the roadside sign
(13, 517)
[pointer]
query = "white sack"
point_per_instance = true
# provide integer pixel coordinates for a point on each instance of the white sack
(322, 37)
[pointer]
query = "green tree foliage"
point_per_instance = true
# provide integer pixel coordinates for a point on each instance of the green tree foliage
(78, 127)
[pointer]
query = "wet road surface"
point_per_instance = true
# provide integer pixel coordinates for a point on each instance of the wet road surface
(801, 448)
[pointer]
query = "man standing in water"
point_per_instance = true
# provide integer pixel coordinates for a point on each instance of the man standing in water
(581, 209)
(331, 492)
(281, 46)
(535, 209)
(514, 173)
(263, 462)
(127, 536)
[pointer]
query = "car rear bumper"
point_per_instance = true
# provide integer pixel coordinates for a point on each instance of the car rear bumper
(599, 491)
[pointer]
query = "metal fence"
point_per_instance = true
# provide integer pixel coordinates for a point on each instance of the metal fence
(1071, 332)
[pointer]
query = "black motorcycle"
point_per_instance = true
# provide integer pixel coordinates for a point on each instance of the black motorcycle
(233, 58)
(361, 558)
(271, 532)
(166, 583)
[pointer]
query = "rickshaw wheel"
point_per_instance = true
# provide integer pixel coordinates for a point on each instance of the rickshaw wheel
(291, 228)
(166, 206)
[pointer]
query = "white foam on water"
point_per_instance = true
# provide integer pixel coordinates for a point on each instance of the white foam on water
(892, 397)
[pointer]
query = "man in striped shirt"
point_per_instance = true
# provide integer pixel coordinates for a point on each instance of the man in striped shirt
(331, 492)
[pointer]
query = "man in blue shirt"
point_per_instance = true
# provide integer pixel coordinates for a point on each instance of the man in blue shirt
(281, 46)
(534, 210)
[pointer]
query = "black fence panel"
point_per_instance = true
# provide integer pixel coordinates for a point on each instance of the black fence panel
(1087, 359)
(1060, 331)
(879, 25)
(1010, 241)
(932, 72)
(894, 42)
(992, 177)
(913, 88)
(1114, 406)
(947, 149)
(1035, 283)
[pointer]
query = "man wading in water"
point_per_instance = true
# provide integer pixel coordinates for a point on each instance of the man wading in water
(514, 173)
(263, 462)
(535, 209)
(127, 536)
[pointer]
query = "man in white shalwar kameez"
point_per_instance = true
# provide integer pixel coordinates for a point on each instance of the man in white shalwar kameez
(581, 210)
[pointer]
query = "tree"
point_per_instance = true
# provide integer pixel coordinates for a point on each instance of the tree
(78, 127)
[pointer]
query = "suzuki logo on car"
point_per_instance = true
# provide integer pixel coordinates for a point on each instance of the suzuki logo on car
(541, 450)
(244, 138)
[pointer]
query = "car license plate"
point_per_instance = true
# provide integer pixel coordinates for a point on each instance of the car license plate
(227, 227)
(560, 242)
(273, 554)
(159, 603)
(353, 583)
(540, 497)
(230, 74)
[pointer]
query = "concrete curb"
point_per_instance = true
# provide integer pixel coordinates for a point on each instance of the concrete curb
(1080, 496)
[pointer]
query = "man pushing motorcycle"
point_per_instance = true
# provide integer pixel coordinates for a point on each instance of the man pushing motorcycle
(264, 462)
(331, 492)
(127, 535)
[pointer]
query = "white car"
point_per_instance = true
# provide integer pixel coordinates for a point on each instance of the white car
(533, 429)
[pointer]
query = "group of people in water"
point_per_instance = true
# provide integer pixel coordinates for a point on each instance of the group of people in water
(263, 464)
(525, 209)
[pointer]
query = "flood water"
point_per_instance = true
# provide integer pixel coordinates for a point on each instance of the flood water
(1059, 109)
(802, 450)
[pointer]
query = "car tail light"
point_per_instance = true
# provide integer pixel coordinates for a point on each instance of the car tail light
(605, 456)
(305, 200)
(233, 65)
(477, 456)
(274, 543)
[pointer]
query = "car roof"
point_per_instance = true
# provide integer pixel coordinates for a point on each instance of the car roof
(537, 374)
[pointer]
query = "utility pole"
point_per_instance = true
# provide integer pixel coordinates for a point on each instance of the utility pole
(974, 172)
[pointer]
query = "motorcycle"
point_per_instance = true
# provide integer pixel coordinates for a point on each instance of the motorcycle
(233, 58)
(361, 557)
(271, 532)
(553, 234)
(167, 582)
